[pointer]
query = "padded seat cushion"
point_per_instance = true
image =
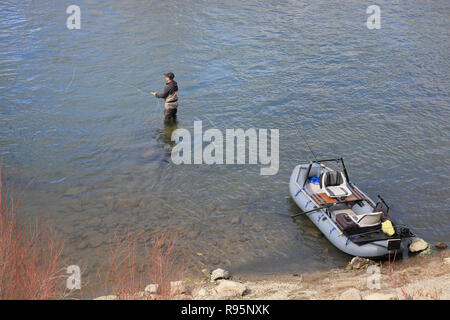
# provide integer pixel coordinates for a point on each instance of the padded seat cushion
(333, 178)
(334, 184)
(338, 191)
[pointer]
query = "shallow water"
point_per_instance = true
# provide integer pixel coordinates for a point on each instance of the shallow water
(75, 119)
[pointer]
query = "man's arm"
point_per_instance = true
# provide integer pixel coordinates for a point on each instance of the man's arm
(162, 95)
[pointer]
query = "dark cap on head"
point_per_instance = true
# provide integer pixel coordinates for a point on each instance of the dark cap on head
(170, 75)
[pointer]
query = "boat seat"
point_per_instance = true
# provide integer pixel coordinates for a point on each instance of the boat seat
(334, 184)
(362, 220)
(368, 219)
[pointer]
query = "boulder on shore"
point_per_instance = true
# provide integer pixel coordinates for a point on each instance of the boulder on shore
(151, 289)
(219, 274)
(417, 245)
(350, 294)
(230, 289)
(359, 263)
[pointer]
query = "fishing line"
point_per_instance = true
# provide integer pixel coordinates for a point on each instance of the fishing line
(142, 92)
(132, 86)
(67, 87)
(73, 78)
(159, 104)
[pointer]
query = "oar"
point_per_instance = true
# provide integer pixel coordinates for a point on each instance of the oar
(306, 212)
(319, 208)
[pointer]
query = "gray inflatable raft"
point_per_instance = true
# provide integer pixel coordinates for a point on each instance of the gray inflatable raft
(346, 216)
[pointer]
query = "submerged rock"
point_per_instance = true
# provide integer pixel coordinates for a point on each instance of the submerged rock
(350, 294)
(441, 245)
(236, 220)
(219, 274)
(417, 245)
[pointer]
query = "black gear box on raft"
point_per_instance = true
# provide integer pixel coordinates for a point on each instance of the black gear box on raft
(346, 223)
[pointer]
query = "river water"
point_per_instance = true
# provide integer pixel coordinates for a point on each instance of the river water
(77, 122)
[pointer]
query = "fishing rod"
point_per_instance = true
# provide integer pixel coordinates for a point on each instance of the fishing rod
(304, 139)
(306, 142)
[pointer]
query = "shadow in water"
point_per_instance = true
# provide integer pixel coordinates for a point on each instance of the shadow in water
(160, 146)
(165, 134)
(313, 238)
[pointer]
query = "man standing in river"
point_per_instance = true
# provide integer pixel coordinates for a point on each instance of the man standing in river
(170, 94)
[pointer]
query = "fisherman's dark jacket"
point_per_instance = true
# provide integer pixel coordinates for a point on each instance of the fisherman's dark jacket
(170, 94)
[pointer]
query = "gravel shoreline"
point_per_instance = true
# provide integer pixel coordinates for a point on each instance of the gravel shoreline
(425, 277)
(419, 278)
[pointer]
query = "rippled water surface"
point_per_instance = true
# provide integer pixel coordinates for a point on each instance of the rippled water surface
(75, 119)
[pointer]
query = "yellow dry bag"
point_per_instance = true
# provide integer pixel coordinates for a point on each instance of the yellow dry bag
(387, 227)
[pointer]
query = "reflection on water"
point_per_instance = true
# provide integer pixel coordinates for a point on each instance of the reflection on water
(76, 118)
(166, 133)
